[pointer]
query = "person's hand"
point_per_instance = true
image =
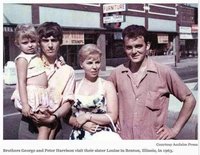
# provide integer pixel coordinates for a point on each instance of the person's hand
(42, 118)
(26, 110)
(91, 127)
(82, 118)
(166, 133)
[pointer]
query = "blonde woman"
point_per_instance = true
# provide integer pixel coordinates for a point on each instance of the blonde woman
(94, 97)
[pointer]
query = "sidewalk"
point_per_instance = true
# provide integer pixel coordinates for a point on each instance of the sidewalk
(185, 65)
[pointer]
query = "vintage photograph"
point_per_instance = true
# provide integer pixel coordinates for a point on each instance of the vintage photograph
(100, 71)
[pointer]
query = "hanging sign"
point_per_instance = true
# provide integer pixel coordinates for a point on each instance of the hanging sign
(113, 19)
(109, 8)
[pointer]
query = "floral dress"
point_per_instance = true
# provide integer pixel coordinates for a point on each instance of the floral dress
(94, 103)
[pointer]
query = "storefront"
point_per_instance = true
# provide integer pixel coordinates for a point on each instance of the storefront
(188, 41)
(162, 43)
(102, 25)
(73, 39)
(72, 42)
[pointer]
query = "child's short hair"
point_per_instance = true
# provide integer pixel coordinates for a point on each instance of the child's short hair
(87, 50)
(25, 31)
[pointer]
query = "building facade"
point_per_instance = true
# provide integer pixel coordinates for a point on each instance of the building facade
(188, 30)
(102, 24)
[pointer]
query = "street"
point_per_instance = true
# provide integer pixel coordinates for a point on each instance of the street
(11, 116)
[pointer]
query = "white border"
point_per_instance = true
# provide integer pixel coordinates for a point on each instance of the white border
(64, 144)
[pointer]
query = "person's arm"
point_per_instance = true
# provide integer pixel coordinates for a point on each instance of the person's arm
(68, 97)
(59, 113)
(66, 101)
(62, 110)
(21, 67)
(71, 120)
(184, 115)
(182, 93)
(88, 126)
(113, 79)
(69, 87)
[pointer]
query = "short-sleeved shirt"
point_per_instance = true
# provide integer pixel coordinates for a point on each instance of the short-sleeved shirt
(61, 78)
(143, 106)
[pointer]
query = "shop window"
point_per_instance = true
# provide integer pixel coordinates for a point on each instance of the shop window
(90, 39)
(118, 50)
(160, 48)
(114, 48)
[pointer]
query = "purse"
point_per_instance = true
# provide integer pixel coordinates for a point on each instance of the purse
(106, 135)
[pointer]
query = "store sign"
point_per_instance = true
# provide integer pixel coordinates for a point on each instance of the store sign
(186, 36)
(163, 38)
(113, 19)
(185, 29)
(73, 39)
(109, 8)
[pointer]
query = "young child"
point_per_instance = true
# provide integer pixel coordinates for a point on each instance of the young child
(31, 94)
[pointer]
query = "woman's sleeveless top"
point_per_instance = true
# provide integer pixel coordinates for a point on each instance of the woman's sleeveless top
(93, 103)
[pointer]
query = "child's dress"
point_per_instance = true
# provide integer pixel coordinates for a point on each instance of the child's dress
(94, 103)
(40, 98)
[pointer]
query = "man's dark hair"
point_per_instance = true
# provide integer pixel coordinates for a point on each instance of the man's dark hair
(49, 29)
(134, 31)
